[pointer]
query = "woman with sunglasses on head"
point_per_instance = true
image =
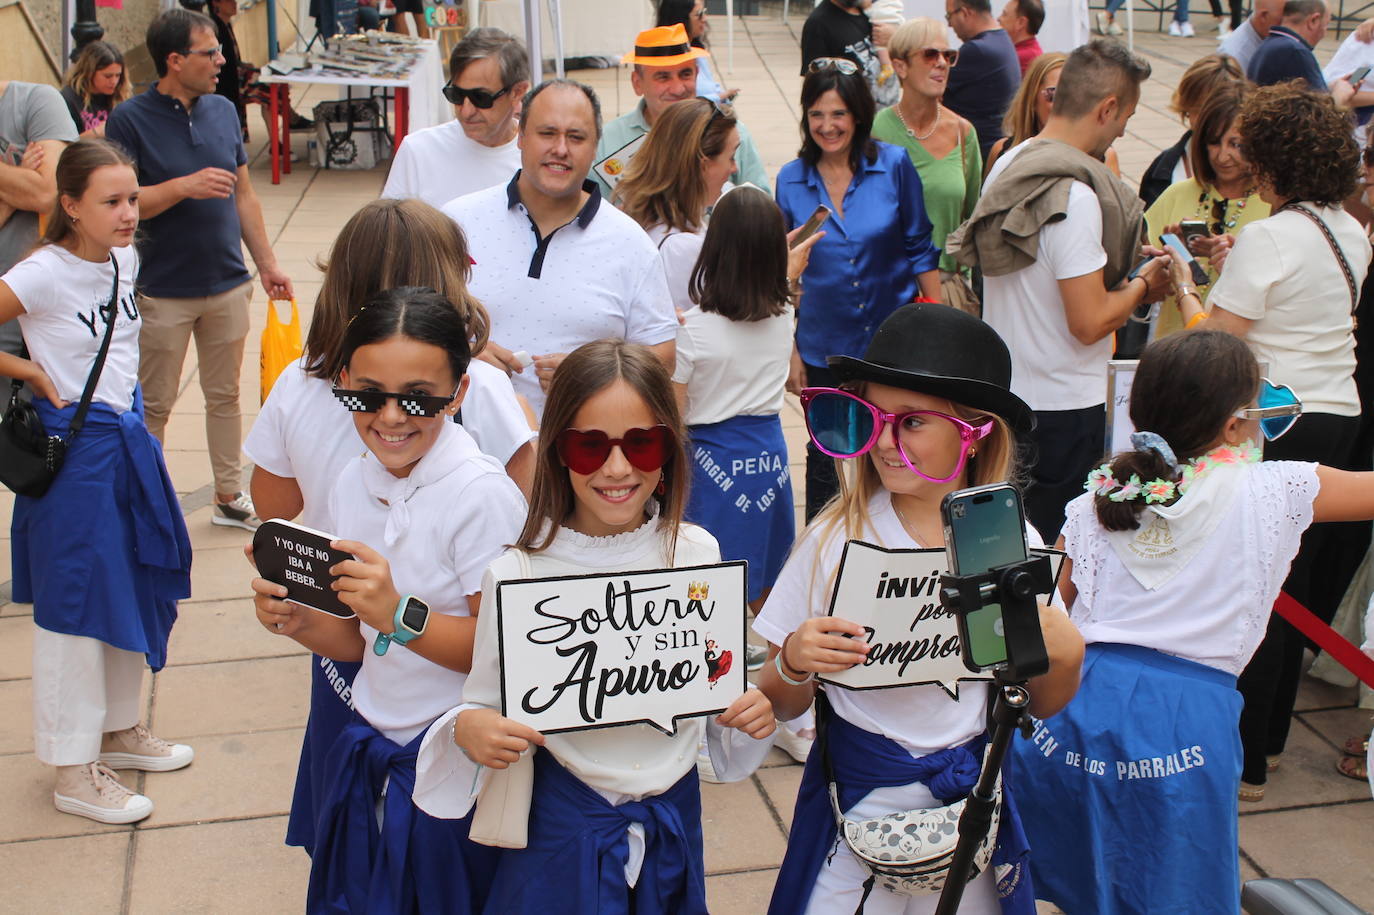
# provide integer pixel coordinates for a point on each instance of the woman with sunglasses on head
(614, 822)
(1176, 553)
(1221, 193)
(927, 411)
(303, 438)
(942, 145)
(1030, 108)
(1290, 288)
(421, 512)
(877, 253)
(674, 178)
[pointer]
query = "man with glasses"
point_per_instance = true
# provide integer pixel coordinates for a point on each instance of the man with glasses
(989, 73)
(665, 71)
(198, 206)
(490, 74)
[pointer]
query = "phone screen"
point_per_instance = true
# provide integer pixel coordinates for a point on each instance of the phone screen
(985, 529)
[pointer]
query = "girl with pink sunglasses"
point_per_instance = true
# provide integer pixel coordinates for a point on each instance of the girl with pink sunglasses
(926, 412)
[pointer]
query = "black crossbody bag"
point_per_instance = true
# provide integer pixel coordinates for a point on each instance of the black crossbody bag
(29, 457)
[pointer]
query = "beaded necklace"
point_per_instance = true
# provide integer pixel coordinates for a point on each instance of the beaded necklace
(1221, 209)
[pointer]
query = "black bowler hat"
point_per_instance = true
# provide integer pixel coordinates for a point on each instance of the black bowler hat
(944, 352)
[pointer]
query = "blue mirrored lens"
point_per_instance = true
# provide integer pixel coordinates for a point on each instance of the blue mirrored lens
(839, 425)
(1272, 395)
(1274, 426)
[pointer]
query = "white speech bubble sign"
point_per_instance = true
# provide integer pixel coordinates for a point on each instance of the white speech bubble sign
(895, 594)
(592, 651)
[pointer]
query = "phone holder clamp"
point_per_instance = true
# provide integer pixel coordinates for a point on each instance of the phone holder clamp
(1014, 586)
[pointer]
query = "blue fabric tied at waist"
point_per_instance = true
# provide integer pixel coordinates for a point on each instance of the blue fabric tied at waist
(579, 845)
(864, 761)
(105, 553)
(414, 862)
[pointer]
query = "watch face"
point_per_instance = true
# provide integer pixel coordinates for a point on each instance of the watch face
(414, 615)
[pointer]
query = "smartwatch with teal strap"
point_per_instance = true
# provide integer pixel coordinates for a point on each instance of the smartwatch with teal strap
(410, 620)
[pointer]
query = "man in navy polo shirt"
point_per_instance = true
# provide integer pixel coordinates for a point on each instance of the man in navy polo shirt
(988, 74)
(197, 203)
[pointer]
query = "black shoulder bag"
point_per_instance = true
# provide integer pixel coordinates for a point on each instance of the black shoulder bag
(29, 457)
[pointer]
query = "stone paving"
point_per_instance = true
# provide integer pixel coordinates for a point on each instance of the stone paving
(239, 695)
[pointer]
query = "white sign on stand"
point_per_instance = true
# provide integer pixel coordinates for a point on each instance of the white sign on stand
(594, 651)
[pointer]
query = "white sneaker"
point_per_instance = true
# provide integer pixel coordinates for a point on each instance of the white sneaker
(238, 512)
(1174, 28)
(137, 748)
(795, 744)
(1223, 27)
(1101, 19)
(92, 791)
(1114, 29)
(1187, 29)
(755, 656)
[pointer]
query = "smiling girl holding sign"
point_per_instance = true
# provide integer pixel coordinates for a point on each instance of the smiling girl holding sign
(614, 824)
(931, 401)
(424, 511)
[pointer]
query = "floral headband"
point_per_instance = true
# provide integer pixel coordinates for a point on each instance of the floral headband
(1102, 482)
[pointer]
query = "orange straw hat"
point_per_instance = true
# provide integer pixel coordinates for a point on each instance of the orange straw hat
(664, 46)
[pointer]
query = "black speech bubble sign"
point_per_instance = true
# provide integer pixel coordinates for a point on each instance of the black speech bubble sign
(299, 559)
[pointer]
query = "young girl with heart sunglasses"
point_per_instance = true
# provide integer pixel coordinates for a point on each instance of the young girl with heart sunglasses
(422, 511)
(609, 488)
(1177, 553)
(927, 411)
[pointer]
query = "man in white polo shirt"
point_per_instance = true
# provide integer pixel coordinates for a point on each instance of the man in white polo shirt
(557, 266)
(490, 72)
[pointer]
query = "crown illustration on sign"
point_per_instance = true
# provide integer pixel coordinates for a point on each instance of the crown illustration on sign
(697, 590)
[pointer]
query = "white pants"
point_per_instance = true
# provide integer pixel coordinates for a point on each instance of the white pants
(839, 884)
(82, 688)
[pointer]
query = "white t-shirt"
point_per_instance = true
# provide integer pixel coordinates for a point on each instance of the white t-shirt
(303, 432)
(64, 320)
(1214, 610)
(460, 510)
(732, 368)
(923, 719)
(595, 278)
(1050, 369)
(678, 252)
(440, 163)
(1283, 275)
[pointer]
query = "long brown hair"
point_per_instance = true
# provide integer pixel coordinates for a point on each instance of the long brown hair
(93, 58)
(586, 372)
(390, 243)
(74, 169)
(741, 272)
(664, 184)
(1020, 123)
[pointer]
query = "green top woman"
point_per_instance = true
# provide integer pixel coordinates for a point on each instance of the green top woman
(942, 145)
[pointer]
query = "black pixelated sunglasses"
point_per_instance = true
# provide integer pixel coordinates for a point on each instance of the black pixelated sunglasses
(480, 98)
(413, 404)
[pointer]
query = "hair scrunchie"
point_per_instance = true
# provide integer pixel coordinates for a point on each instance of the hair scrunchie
(1150, 441)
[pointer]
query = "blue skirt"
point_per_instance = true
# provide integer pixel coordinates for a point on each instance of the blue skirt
(413, 863)
(331, 710)
(742, 493)
(574, 863)
(104, 553)
(1129, 795)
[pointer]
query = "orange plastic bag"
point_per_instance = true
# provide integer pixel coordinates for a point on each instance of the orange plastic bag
(281, 345)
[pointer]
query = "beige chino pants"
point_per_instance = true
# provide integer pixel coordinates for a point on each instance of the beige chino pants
(220, 325)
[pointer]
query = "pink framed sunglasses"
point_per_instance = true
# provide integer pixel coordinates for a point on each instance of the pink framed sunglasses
(844, 425)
